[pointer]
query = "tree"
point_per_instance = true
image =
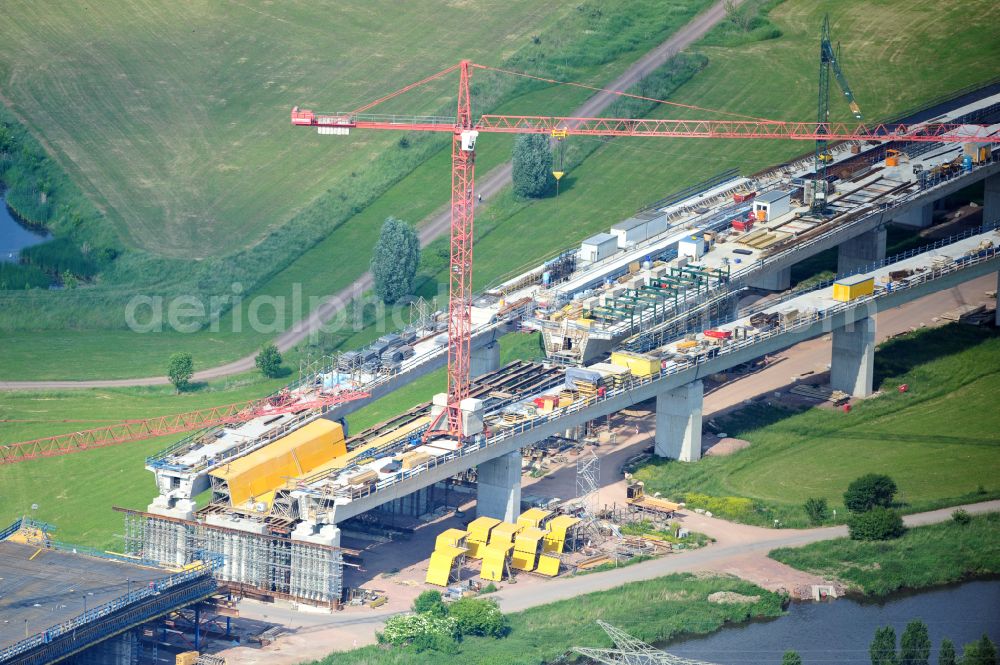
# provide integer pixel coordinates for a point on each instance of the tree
(740, 17)
(817, 510)
(980, 652)
(180, 370)
(877, 524)
(868, 491)
(532, 166)
(946, 656)
(915, 644)
(791, 658)
(478, 616)
(395, 260)
(269, 361)
(883, 647)
(429, 602)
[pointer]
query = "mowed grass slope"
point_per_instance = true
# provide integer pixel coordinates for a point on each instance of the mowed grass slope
(939, 441)
(174, 116)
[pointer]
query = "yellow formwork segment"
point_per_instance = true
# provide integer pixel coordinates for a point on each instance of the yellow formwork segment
(441, 564)
(548, 565)
(479, 535)
(555, 539)
(342, 461)
(494, 561)
(533, 517)
(295, 454)
(451, 538)
(639, 364)
(526, 547)
(848, 289)
(503, 533)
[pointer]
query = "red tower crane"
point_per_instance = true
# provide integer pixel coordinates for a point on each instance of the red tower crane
(465, 130)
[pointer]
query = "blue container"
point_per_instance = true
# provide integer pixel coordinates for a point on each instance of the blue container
(546, 278)
(966, 163)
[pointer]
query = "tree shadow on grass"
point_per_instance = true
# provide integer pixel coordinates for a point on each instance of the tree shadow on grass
(901, 355)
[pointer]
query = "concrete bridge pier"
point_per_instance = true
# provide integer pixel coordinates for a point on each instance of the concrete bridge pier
(678, 422)
(853, 360)
(917, 218)
(991, 198)
(778, 280)
(484, 359)
(498, 492)
(861, 251)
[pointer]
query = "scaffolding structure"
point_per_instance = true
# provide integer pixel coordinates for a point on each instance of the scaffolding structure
(253, 562)
(631, 651)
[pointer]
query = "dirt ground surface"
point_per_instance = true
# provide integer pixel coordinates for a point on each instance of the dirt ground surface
(738, 549)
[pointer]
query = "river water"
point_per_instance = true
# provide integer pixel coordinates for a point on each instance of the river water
(13, 236)
(839, 631)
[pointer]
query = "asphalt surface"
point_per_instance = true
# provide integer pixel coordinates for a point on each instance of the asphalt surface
(429, 230)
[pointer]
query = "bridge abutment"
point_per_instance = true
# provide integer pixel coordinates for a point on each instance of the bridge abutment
(678, 422)
(861, 251)
(485, 359)
(778, 280)
(853, 359)
(916, 218)
(498, 492)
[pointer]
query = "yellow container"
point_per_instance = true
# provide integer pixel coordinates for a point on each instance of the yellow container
(850, 288)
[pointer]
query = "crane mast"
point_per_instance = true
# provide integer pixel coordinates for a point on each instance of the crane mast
(827, 62)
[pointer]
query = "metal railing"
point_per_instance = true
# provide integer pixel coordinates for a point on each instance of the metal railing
(669, 368)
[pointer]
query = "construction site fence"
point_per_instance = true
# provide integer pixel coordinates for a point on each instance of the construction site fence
(671, 368)
(154, 588)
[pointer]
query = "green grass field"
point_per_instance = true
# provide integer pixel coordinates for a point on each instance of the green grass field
(938, 441)
(654, 611)
(75, 492)
(924, 556)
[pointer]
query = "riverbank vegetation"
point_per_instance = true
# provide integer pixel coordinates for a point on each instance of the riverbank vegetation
(671, 606)
(956, 550)
(938, 452)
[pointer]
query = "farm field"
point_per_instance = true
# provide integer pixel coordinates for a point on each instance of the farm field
(744, 79)
(75, 492)
(938, 441)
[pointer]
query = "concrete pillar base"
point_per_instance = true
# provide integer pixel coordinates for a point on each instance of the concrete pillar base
(485, 359)
(678, 422)
(778, 280)
(853, 360)
(861, 251)
(498, 492)
(917, 218)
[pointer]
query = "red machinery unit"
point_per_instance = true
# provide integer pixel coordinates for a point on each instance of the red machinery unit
(719, 334)
(743, 197)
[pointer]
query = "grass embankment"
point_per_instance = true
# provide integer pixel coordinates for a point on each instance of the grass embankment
(653, 611)
(924, 556)
(75, 492)
(938, 441)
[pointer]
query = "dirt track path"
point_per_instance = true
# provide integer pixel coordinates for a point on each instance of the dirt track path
(430, 228)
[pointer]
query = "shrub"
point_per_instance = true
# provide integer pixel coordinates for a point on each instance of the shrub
(489, 588)
(817, 510)
(960, 516)
(429, 602)
(425, 631)
(877, 524)
(791, 658)
(869, 491)
(479, 616)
